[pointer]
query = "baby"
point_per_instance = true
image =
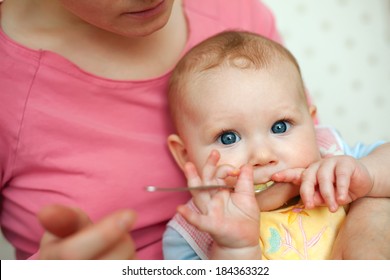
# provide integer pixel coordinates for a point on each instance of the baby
(242, 118)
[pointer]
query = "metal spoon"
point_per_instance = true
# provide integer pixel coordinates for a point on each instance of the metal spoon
(257, 188)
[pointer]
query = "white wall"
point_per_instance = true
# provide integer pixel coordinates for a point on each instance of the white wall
(343, 47)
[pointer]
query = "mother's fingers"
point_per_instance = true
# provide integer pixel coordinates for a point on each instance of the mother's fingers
(102, 236)
(62, 221)
(124, 249)
(92, 241)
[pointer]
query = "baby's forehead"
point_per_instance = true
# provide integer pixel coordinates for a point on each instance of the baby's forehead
(215, 85)
(276, 70)
(283, 75)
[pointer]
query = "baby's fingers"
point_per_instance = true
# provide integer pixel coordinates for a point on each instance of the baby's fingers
(343, 174)
(192, 217)
(225, 171)
(326, 181)
(201, 197)
(308, 186)
(191, 174)
(245, 180)
(210, 168)
(226, 175)
(293, 175)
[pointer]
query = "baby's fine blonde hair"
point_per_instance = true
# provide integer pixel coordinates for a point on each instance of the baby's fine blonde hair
(239, 49)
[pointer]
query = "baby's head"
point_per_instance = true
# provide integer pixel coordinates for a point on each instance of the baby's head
(243, 95)
(239, 50)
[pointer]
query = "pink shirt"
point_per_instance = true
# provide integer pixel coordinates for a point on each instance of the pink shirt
(70, 137)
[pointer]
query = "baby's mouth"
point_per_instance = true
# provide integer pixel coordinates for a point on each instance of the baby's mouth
(263, 186)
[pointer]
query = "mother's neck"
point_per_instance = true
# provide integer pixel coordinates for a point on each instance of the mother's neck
(46, 25)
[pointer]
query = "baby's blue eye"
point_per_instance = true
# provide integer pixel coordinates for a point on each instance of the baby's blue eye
(280, 127)
(228, 138)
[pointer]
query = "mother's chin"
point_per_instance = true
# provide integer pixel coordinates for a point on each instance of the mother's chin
(276, 196)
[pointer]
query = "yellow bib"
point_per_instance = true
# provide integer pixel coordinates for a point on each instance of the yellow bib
(295, 233)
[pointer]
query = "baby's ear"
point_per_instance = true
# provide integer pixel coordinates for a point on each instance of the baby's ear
(178, 150)
(313, 113)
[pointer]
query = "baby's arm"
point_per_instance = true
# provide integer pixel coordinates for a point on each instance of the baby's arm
(232, 218)
(339, 180)
(378, 163)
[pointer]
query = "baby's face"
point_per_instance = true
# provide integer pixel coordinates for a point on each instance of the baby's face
(252, 116)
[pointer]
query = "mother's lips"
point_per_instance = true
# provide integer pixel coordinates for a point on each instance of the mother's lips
(147, 10)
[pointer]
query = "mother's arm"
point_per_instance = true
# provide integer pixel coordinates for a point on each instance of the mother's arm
(366, 231)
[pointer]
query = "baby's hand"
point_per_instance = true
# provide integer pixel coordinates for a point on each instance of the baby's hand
(231, 217)
(211, 174)
(333, 181)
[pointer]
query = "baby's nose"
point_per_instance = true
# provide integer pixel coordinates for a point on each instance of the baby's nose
(262, 156)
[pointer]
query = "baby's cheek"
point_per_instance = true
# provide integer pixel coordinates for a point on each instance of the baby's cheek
(303, 158)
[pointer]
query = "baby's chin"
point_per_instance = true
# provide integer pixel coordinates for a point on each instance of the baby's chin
(276, 196)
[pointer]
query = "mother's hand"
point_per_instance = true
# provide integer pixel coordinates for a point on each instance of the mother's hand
(70, 234)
